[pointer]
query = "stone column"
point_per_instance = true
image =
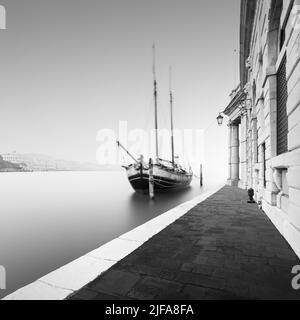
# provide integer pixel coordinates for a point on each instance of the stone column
(254, 138)
(244, 150)
(229, 152)
(235, 156)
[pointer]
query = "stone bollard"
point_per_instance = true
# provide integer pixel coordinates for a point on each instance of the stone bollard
(201, 175)
(251, 195)
(151, 180)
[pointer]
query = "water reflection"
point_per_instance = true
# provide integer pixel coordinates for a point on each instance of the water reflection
(142, 205)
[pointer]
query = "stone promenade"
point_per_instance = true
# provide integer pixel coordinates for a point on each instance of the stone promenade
(224, 248)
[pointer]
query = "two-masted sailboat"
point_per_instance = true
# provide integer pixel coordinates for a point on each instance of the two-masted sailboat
(158, 175)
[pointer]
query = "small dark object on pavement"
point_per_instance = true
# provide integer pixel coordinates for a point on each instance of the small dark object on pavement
(251, 195)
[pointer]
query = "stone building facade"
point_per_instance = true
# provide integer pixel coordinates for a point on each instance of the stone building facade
(264, 112)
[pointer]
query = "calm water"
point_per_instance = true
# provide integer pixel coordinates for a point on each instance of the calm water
(50, 219)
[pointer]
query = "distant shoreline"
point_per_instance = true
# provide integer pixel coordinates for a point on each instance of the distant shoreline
(45, 171)
(16, 162)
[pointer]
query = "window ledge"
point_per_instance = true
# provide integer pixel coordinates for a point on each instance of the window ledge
(281, 162)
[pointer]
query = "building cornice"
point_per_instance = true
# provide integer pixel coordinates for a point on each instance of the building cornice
(248, 9)
(235, 103)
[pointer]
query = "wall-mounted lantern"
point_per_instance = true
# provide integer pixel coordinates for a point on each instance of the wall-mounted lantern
(220, 119)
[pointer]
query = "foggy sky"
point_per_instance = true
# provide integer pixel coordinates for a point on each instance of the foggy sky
(69, 68)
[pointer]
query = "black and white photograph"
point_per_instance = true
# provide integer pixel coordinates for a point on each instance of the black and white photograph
(149, 153)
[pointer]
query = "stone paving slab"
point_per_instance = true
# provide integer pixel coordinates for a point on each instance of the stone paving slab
(222, 249)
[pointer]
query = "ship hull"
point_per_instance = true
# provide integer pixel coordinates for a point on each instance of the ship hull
(164, 179)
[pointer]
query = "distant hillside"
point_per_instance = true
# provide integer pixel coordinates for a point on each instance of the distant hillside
(6, 166)
(39, 162)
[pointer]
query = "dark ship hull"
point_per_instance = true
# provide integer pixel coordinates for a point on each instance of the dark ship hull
(165, 179)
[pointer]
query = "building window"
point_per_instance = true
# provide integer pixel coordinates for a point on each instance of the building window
(254, 93)
(282, 38)
(282, 118)
(257, 148)
(263, 148)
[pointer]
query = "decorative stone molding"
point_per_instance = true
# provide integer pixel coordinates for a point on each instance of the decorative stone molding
(277, 177)
(269, 72)
(247, 88)
(261, 96)
(260, 57)
(249, 63)
(281, 162)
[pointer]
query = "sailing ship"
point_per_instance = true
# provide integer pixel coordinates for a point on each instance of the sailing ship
(159, 175)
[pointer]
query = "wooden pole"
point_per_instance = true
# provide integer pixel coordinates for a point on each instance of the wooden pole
(151, 180)
(172, 120)
(155, 106)
(201, 175)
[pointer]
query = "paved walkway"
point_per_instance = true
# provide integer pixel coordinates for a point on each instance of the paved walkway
(224, 248)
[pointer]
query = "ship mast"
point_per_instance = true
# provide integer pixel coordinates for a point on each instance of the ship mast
(155, 105)
(172, 120)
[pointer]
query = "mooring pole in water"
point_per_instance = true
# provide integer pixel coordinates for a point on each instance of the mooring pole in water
(151, 180)
(201, 175)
